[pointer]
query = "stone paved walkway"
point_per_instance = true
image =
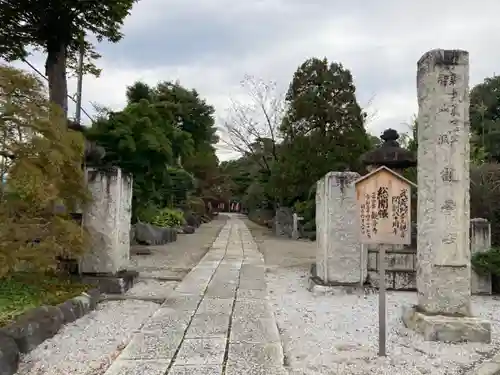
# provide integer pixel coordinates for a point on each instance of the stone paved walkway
(217, 322)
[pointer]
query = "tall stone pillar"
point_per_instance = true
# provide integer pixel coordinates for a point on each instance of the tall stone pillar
(338, 254)
(108, 222)
(443, 267)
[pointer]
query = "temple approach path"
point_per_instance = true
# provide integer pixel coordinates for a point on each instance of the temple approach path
(217, 321)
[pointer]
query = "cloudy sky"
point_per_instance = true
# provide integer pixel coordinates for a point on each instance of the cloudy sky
(211, 44)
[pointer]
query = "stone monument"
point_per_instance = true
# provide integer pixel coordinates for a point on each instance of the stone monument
(108, 221)
(338, 254)
(480, 241)
(444, 311)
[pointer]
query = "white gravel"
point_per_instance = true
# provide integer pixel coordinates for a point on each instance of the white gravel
(89, 345)
(339, 334)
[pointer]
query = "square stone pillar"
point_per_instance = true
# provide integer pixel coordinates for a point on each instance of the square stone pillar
(443, 253)
(339, 258)
(480, 241)
(108, 221)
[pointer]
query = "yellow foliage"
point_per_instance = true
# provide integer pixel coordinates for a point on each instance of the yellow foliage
(44, 179)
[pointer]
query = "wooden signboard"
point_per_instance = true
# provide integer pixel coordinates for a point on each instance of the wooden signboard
(384, 208)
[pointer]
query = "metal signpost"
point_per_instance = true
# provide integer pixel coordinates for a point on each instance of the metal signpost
(384, 208)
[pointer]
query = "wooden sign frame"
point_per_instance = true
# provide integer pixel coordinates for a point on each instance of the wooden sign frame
(384, 207)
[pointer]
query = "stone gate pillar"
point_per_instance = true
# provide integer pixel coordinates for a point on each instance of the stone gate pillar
(108, 221)
(443, 267)
(338, 253)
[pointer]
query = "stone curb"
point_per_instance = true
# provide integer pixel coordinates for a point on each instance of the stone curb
(39, 324)
(490, 367)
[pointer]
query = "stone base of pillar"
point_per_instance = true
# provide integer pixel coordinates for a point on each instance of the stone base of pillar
(447, 328)
(108, 283)
(318, 288)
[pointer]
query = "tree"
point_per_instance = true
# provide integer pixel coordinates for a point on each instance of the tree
(252, 126)
(44, 182)
(485, 117)
(323, 129)
(59, 28)
(139, 140)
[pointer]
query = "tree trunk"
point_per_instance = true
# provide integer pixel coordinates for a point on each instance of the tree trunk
(55, 69)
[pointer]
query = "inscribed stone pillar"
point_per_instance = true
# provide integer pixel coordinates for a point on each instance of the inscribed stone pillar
(108, 222)
(443, 274)
(338, 254)
(480, 240)
(443, 267)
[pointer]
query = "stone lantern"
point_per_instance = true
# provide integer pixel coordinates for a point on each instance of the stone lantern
(390, 154)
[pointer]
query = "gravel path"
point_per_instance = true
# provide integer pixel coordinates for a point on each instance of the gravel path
(329, 335)
(339, 334)
(89, 345)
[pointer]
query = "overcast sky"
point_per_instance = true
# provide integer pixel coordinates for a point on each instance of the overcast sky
(211, 44)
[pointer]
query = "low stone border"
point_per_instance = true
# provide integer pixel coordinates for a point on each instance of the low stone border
(490, 367)
(39, 324)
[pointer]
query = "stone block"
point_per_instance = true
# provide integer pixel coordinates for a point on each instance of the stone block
(108, 221)
(201, 352)
(255, 369)
(182, 302)
(221, 290)
(195, 370)
(208, 325)
(447, 328)
(338, 253)
(34, 327)
(216, 306)
(254, 330)
(9, 355)
(243, 355)
(70, 312)
(128, 367)
(167, 321)
(117, 283)
(148, 234)
(152, 346)
(188, 229)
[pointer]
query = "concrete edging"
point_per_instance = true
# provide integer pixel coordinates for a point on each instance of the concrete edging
(35, 326)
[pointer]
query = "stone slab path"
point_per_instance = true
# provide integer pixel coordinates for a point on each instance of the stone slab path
(218, 321)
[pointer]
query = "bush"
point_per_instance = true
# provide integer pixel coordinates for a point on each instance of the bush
(487, 262)
(44, 179)
(168, 217)
(196, 205)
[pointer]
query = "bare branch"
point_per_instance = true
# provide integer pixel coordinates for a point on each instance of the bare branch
(256, 120)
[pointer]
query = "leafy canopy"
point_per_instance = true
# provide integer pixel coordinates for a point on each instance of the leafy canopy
(48, 24)
(44, 181)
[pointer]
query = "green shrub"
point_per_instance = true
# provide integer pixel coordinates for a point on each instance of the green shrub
(196, 205)
(487, 262)
(168, 217)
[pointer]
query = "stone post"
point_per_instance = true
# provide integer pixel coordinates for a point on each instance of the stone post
(295, 228)
(338, 253)
(480, 240)
(108, 221)
(443, 266)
